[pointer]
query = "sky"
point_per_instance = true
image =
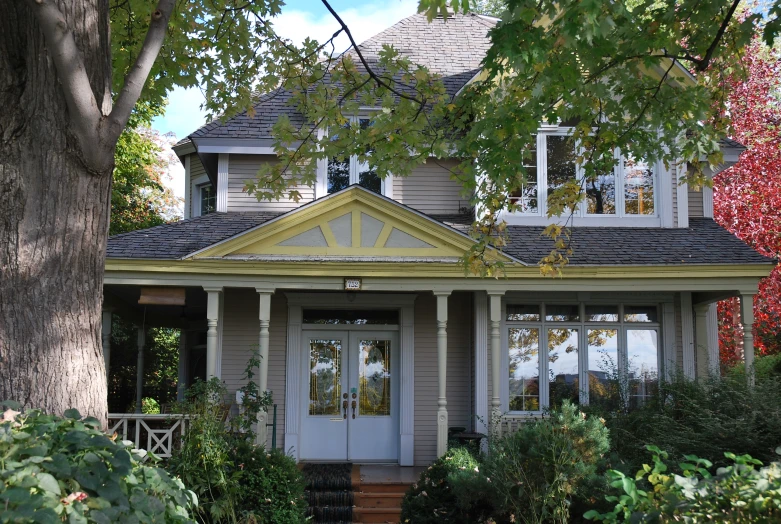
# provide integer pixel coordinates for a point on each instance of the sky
(299, 19)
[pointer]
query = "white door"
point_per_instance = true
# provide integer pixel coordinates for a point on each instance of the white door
(350, 391)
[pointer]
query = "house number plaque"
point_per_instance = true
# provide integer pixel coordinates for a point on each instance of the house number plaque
(352, 284)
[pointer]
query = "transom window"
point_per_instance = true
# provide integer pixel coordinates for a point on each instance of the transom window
(208, 199)
(343, 172)
(605, 354)
(626, 191)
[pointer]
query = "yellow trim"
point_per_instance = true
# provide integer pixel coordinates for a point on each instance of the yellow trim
(428, 270)
(265, 239)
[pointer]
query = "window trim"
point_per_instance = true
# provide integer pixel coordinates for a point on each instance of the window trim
(199, 199)
(321, 185)
(581, 215)
(582, 326)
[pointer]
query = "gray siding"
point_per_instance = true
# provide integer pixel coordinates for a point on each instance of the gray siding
(196, 171)
(430, 188)
(245, 167)
(695, 203)
(459, 366)
(240, 338)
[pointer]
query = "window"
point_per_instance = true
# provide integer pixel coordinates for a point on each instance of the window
(343, 172)
(605, 354)
(208, 199)
(628, 190)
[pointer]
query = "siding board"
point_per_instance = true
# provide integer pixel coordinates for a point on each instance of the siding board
(245, 167)
(430, 189)
(695, 203)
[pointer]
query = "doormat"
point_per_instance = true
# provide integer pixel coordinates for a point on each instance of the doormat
(329, 491)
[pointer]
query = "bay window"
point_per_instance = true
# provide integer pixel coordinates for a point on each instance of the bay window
(605, 354)
(628, 190)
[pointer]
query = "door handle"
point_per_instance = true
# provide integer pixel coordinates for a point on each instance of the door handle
(354, 404)
(344, 405)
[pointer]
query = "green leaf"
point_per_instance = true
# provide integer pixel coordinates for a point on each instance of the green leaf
(72, 414)
(49, 483)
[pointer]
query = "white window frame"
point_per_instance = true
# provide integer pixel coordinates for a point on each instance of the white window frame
(198, 189)
(321, 186)
(620, 218)
(582, 326)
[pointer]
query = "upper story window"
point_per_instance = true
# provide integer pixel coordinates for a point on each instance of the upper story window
(343, 172)
(588, 353)
(629, 190)
(207, 197)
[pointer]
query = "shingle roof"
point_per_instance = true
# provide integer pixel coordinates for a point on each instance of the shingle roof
(703, 242)
(177, 239)
(452, 48)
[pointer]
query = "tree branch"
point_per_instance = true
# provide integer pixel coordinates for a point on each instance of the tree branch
(82, 106)
(137, 77)
(703, 64)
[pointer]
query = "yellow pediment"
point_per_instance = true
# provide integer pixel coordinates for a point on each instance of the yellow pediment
(351, 223)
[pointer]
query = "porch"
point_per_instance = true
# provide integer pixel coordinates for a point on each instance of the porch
(457, 350)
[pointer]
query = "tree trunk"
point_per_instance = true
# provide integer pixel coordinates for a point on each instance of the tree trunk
(54, 215)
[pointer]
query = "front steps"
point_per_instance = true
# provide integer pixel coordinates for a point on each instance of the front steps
(378, 502)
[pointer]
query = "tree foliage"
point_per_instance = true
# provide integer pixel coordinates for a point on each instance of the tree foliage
(747, 197)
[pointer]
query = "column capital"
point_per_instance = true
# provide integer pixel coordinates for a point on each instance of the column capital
(495, 292)
(701, 307)
(442, 292)
(265, 290)
(213, 289)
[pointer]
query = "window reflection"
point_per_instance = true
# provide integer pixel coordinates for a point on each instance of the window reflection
(374, 378)
(603, 366)
(524, 369)
(526, 196)
(338, 174)
(561, 161)
(601, 194)
(638, 187)
(563, 378)
(523, 312)
(643, 371)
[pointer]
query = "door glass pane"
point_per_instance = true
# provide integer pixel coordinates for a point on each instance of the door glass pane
(524, 369)
(563, 365)
(603, 385)
(374, 378)
(325, 377)
(643, 370)
(638, 187)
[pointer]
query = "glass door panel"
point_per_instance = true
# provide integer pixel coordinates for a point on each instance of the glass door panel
(325, 377)
(374, 378)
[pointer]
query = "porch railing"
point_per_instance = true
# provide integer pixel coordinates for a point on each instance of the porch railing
(154, 433)
(512, 423)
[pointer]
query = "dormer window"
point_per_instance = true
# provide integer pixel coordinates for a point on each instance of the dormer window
(629, 190)
(342, 172)
(207, 198)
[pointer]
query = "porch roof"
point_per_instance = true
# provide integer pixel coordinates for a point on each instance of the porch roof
(704, 242)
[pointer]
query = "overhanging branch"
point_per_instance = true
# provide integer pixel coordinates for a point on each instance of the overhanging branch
(137, 77)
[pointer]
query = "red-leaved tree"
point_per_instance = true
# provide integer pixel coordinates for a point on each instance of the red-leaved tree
(747, 197)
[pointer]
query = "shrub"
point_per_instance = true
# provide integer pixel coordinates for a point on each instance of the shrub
(738, 493)
(272, 486)
(536, 471)
(701, 418)
(452, 489)
(55, 469)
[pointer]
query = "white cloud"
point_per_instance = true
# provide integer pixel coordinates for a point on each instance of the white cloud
(183, 114)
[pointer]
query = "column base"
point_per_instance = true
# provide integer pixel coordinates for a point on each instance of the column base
(441, 432)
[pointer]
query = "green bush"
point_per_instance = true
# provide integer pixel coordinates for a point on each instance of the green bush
(700, 418)
(453, 489)
(742, 492)
(56, 469)
(272, 486)
(536, 471)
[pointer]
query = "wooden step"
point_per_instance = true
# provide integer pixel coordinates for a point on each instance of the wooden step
(378, 500)
(376, 515)
(382, 487)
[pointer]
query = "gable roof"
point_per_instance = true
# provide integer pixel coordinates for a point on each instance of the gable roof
(452, 48)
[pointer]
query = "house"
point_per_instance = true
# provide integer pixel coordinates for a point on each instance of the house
(373, 341)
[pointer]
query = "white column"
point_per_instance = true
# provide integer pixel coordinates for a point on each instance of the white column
(140, 368)
(221, 201)
(713, 339)
(293, 401)
(265, 318)
(481, 361)
(747, 318)
(701, 339)
(687, 334)
(407, 393)
(105, 336)
(495, 300)
(668, 332)
(188, 196)
(212, 338)
(442, 422)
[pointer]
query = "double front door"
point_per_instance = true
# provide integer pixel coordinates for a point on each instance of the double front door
(350, 408)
